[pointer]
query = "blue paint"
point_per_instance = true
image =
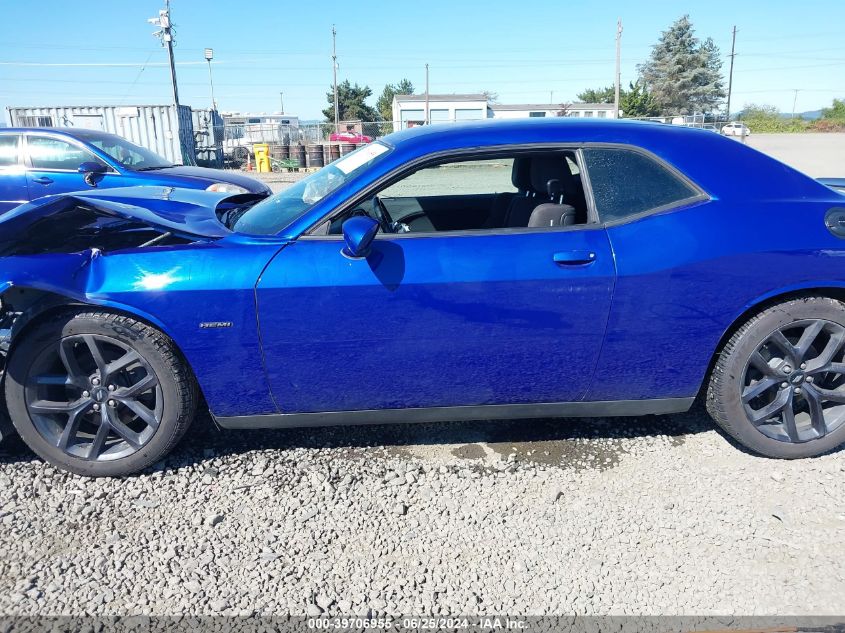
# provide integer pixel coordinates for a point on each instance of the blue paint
(30, 183)
(632, 310)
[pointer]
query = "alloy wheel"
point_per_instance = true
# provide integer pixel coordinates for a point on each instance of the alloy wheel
(793, 386)
(94, 397)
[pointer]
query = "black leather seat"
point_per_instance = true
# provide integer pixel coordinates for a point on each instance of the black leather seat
(521, 179)
(555, 213)
(543, 170)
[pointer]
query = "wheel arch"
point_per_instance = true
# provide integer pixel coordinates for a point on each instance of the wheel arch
(831, 290)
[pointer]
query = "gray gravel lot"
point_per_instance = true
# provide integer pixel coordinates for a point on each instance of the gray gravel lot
(624, 516)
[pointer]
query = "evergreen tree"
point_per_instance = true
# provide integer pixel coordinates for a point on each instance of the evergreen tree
(637, 101)
(351, 103)
(684, 74)
(600, 95)
(384, 105)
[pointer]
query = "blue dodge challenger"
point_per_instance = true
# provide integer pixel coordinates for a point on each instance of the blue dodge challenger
(515, 269)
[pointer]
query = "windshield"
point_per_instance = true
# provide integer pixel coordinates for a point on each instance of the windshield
(270, 216)
(124, 152)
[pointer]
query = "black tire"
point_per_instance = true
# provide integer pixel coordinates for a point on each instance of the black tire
(167, 406)
(733, 378)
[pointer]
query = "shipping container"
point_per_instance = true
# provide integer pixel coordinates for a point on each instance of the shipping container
(160, 128)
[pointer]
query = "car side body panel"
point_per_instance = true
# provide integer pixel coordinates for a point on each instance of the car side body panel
(703, 267)
(683, 277)
(435, 321)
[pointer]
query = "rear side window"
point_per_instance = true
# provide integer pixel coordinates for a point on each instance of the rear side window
(627, 183)
(8, 150)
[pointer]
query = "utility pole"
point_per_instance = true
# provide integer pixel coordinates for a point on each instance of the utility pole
(334, 69)
(209, 55)
(282, 100)
(165, 34)
(731, 74)
(618, 66)
(551, 96)
(795, 101)
(427, 118)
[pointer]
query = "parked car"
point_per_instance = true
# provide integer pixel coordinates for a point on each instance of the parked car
(735, 128)
(510, 269)
(37, 162)
(350, 137)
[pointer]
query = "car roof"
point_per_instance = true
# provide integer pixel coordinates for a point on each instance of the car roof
(67, 131)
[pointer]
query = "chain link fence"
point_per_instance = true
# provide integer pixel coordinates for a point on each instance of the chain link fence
(301, 145)
(316, 144)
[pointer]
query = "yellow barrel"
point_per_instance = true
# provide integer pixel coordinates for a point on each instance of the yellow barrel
(262, 157)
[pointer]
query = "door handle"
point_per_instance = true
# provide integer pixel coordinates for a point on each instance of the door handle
(43, 180)
(574, 258)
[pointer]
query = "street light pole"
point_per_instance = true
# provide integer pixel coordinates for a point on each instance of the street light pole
(282, 100)
(209, 55)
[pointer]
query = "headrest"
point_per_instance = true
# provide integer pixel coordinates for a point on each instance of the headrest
(549, 214)
(521, 173)
(544, 169)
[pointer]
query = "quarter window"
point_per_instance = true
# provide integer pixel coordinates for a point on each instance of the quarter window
(627, 183)
(8, 150)
(52, 153)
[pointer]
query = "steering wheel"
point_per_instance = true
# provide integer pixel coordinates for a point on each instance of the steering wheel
(382, 216)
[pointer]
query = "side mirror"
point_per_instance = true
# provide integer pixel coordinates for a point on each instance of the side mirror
(358, 233)
(92, 171)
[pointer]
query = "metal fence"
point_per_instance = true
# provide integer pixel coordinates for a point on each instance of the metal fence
(317, 143)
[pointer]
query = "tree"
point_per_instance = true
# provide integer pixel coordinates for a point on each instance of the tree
(384, 105)
(492, 97)
(638, 101)
(835, 112)
(683, 73)
(351, 103)
(600, 95)
(759, 112)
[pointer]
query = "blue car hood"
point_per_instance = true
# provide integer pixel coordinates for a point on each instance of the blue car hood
(207, 175)
(184, 212)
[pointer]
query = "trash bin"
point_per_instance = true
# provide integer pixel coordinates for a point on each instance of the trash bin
(262, 157)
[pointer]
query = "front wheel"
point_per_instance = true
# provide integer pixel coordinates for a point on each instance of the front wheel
(778, 386)
(98, 393)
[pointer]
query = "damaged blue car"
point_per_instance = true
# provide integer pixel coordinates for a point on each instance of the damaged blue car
(515, 269)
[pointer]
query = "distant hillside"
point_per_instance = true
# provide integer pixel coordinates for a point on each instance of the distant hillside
(810, 115)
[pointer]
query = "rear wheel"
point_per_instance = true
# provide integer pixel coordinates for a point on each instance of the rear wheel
(778, 386)
(98, 393)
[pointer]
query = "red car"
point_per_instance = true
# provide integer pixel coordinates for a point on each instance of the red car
(350, 137)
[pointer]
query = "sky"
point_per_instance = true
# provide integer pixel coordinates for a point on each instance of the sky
(103, 52)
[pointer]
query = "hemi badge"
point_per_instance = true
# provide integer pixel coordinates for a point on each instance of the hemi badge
(214, 324)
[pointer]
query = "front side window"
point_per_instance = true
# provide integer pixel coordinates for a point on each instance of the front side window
(471, 177)
(124, 152)
(626, 183)
(9, 150)
(524, 190)
(46, 152)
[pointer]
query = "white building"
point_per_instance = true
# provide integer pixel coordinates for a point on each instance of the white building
(410, 110)
(574, 110)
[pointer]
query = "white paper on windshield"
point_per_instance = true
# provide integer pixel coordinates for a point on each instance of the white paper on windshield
(351, 162)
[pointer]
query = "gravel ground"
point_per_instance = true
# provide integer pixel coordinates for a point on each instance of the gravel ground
(657, 515)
